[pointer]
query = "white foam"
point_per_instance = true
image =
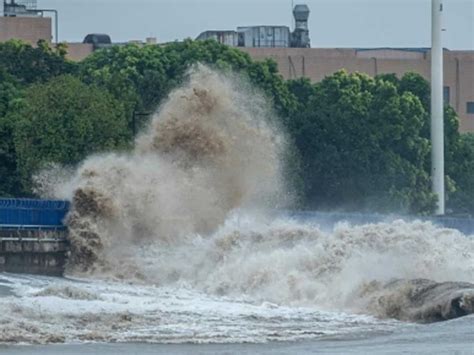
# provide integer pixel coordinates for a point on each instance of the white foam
(187, 211)
(126, 313)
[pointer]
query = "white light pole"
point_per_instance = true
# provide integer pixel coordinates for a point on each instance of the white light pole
(437, 122)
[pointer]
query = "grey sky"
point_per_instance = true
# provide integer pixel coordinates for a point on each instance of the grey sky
(332, 23)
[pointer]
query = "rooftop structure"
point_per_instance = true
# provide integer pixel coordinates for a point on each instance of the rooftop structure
(98, 40)
(301, 33)
(22, 19)
(266, 36)
(19, 8)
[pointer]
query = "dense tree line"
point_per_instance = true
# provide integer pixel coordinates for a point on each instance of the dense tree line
(357, 142)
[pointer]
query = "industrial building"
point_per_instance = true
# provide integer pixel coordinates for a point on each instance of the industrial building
(316, 63)
(266, 36)
(23, 20)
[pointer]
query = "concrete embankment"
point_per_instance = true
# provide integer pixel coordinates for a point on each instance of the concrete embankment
(33, 251)
(33, 238)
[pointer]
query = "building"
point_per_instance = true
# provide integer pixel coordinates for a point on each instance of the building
(295, 59)
(22, 19)
(29, 29)
(266, 36)
(316, 63)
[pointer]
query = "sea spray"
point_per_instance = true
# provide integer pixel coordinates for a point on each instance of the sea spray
(350, 268)
(189, 207)
(212, 147)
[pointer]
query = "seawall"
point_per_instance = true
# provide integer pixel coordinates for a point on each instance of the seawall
(33, 238)
(33, 251)
(329, 219)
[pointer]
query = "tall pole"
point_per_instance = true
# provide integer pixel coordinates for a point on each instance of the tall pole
(437, 122)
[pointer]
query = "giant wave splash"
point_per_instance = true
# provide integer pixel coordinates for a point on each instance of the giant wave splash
(191, 205)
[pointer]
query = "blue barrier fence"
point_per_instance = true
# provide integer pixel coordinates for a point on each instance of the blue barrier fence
(329, 219)
(32, 213)
(50, 214)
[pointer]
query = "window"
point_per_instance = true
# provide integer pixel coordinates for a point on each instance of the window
(470, 107)
(446, 95)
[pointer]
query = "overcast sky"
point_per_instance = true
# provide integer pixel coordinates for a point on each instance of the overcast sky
(332, 23)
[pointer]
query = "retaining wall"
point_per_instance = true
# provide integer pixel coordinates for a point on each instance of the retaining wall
(33, 238)
(329, 219)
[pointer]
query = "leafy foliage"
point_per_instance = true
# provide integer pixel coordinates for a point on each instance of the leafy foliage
(141, 77)
(461, 169)
(9, 95)
(360, 143)
(355, 142)
(63, 121)
(34, 64)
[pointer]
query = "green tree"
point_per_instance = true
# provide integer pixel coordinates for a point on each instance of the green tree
(456, 146)
(9, 91)
(34, 64)
(63, 121)
(360, 143)
(9, 96)
(134, 75)
(354, 142)
(302, 89)
(141, 77)
(461, 169)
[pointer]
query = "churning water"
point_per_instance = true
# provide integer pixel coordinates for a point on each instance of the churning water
(175, 242)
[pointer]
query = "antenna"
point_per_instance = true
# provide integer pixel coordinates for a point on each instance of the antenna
(291, 12)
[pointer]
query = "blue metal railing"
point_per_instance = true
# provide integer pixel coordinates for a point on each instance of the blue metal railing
(36, 214)
(32, 213)
(329, 219)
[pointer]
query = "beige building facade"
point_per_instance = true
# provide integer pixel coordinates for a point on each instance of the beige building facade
(316, 63)
(30, 29)
(78, 51)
